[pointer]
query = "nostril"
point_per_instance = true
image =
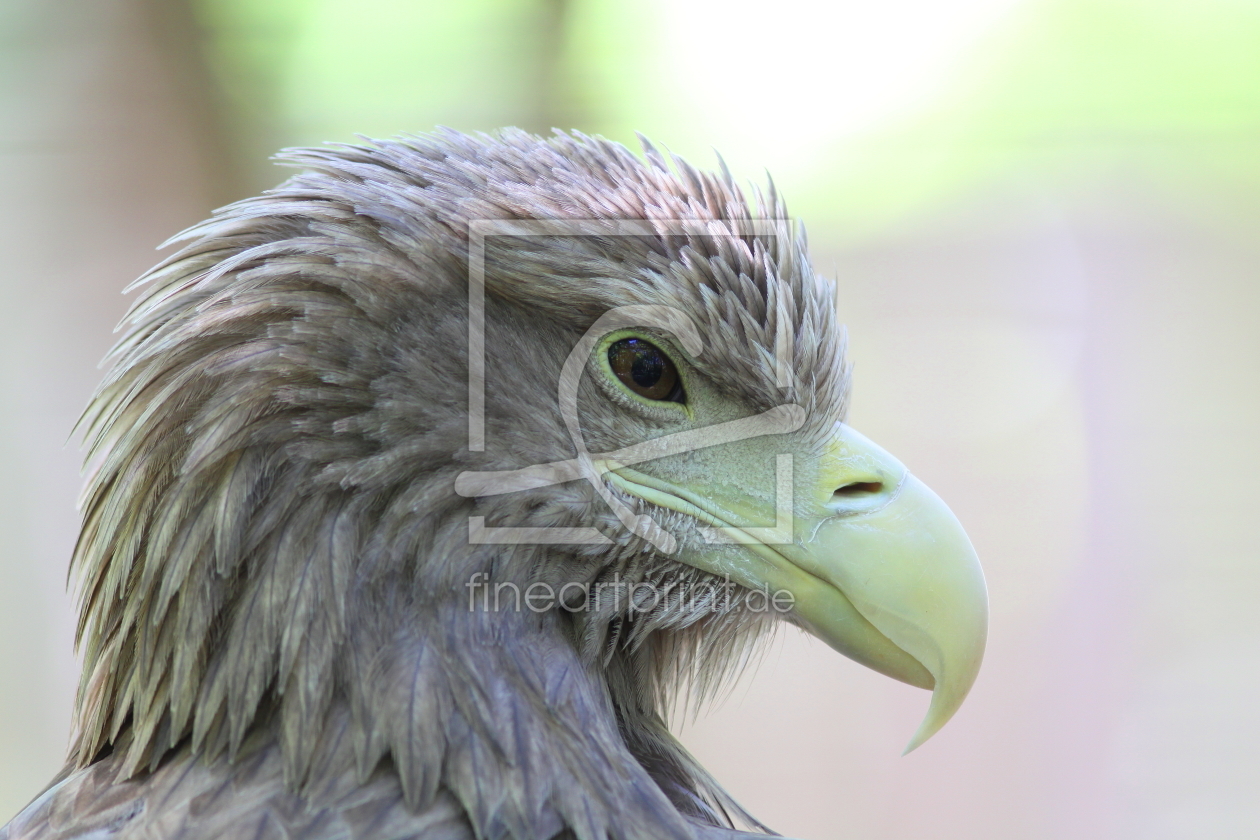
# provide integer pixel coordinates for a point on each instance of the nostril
(862, 497)
(857, 490)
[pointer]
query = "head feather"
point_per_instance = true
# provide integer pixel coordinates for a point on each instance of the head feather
(270, 538)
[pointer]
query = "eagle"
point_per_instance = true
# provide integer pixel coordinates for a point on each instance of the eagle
(423, 485)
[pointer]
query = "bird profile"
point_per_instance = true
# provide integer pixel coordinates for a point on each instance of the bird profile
(425, 483)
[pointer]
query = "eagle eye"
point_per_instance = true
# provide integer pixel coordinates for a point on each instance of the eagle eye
(645, 369)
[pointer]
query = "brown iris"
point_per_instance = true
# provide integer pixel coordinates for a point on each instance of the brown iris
(644, 369)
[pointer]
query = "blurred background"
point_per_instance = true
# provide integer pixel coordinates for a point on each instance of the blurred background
(1044, 219)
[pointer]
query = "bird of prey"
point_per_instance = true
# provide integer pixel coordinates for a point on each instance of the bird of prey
(425, 481)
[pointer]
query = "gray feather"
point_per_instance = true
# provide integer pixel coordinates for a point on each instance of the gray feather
(272, 557)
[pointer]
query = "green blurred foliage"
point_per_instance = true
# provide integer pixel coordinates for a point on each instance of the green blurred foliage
(1170, 88)
(302, 72)
(1167, 85)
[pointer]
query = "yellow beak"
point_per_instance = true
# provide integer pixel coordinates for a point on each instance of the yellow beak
(899, 556)
(876, 564)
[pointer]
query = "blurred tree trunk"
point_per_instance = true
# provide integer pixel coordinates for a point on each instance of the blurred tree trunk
(554, 105)
(111, 143)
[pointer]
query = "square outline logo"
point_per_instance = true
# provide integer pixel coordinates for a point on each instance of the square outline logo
(775, 421)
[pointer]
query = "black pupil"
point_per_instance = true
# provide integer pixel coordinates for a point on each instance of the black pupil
(648, 365)
(644, 369)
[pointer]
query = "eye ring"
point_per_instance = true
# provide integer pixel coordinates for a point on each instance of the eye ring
(645, 369)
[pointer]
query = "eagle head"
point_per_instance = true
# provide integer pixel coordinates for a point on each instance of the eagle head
(441, 468)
